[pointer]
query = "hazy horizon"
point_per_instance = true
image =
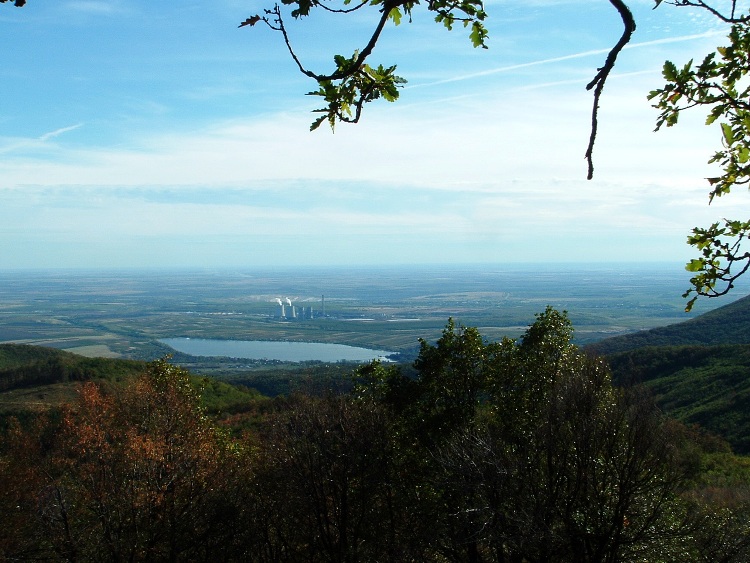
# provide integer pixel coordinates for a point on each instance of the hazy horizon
(660, 265)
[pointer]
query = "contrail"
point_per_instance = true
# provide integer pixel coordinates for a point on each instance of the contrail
(30, 142)
(56, 132)
(580, 55)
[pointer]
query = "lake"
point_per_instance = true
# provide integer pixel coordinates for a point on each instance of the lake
(271, 350)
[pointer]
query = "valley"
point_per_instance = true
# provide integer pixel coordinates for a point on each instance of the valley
(123, 314)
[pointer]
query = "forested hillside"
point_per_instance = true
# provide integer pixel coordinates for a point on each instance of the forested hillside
(697, 370)
(729, 324)
(26, 366)
(34, 377)
(492, 451)
(704, 385)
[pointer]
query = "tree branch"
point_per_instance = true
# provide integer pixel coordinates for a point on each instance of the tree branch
(339, 74)
(343, 11)
(601, 77)
(700, 4)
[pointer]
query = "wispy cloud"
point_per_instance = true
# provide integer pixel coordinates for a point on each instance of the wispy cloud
(552, 60)
(25, 144)
(58, 132)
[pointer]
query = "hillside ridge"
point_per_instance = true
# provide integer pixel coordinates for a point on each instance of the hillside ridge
(729, 324)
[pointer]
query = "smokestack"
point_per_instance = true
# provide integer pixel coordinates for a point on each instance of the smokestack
(288, 301)
(323, 304)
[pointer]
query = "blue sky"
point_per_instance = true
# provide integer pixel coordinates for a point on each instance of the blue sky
(147, 134)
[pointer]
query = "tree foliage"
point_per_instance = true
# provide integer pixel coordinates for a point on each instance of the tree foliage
(503, 451)
(530, 452)
(131, 476)
(719, 85)
(23, 365)
(354, 82)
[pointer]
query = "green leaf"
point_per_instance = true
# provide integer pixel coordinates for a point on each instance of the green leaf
(695, 265)
(728, 134)
(713, 116)
(669, 71)
(478, 35)
(395, 15)
(315, 124)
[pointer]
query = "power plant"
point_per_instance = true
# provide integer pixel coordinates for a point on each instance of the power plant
(288, 311)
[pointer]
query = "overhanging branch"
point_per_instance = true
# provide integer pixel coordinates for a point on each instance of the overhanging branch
(601, 77)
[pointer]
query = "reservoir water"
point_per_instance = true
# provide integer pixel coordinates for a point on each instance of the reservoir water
(269, 350)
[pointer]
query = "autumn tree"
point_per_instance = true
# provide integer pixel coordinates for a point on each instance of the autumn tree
(142, 475)
(26, 472)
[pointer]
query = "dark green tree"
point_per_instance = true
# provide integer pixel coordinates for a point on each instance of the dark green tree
(527, 452)
(330, 486)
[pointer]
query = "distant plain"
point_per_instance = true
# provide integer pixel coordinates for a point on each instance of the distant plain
(125, 313)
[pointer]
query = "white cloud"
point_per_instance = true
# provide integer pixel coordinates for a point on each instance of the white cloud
(469, 164)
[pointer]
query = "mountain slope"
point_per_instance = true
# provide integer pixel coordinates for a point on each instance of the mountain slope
(22, 365)
(35, 378)
(704, 385)
(729, 324)
(698, 370)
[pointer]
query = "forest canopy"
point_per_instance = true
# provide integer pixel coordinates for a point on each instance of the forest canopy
(493, 451)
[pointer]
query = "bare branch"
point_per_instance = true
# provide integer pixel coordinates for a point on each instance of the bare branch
(341, 10)
(601, 77)
(731, 18)
(278, 25)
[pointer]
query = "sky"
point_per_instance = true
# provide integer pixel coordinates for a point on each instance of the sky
(159, 134)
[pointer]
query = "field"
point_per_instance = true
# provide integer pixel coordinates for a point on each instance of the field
(122, 314)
